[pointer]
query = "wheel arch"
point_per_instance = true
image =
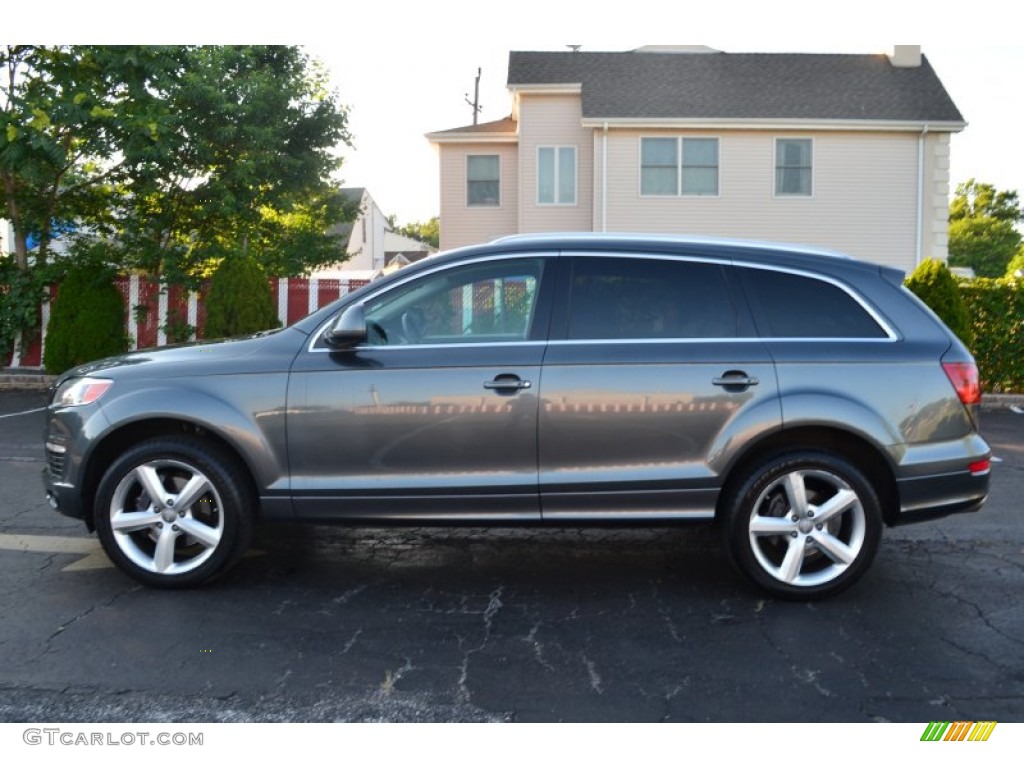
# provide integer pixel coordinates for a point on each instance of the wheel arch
(125, 436)
(853, 448)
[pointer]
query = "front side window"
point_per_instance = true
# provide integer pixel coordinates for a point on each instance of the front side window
(483, 180)
(634, 298)
(489, 302)
(556, 175)
(674, 166)
(793, 166)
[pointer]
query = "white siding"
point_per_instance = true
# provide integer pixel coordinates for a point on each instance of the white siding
(554, 121)
(864, 198)
(462, 224)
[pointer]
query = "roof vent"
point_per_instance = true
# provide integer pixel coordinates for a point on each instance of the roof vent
(905, 56)
(675, 49)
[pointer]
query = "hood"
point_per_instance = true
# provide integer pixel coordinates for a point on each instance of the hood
(236, 355)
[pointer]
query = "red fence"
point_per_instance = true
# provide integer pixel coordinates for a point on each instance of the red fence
(157, 315)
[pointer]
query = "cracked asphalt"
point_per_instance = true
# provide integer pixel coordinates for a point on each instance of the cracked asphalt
(467, 624)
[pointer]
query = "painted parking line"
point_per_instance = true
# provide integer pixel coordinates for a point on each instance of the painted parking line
(95, 557)
(21, 413)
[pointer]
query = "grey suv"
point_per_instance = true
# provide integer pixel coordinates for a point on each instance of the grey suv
(796, 398)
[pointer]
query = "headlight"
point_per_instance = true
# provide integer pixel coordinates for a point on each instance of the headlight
(81, 391)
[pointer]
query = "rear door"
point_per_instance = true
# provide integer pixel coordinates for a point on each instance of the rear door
(652, 376)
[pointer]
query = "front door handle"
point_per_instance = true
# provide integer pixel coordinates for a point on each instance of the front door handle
(507, 381)
(737, 379)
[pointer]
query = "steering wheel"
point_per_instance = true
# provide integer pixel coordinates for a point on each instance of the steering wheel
(414, 324)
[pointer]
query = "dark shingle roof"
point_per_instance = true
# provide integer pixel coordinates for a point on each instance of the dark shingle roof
(741, 85)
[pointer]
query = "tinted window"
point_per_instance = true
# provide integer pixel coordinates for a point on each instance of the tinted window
(640, 298)
(488, 302)
(794, 306)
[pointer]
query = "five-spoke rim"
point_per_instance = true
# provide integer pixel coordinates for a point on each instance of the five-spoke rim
(166, 517)
(807, 527)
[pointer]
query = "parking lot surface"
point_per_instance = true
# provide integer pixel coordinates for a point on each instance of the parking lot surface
(528, 624)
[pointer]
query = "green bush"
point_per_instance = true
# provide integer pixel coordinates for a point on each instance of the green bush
(996, 308)
(935, 285)
(240, 300)
(87, 320)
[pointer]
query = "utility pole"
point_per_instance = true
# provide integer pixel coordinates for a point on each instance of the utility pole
(475, 103)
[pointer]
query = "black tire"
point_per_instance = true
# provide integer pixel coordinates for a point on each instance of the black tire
(174, 542)
(803, 525)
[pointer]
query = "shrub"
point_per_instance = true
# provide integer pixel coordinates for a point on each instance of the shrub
(935, 285)
(996, 308)
(87, 320)
(239, 300)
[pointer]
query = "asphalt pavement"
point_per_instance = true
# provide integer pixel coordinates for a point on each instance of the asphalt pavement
(540, 624)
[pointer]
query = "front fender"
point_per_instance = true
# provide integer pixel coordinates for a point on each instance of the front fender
(246, 411)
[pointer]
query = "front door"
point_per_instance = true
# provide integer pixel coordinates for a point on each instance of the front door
(435, 416)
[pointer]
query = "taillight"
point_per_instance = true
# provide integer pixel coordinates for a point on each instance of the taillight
(964, 378)
(979, 468)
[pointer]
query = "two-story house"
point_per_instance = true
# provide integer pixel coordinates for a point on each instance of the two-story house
(842, 151)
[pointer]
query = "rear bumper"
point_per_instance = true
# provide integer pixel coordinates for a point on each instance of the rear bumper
(935, 496)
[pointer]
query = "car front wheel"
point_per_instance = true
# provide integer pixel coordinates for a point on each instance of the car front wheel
(804, 525)
(174, 512)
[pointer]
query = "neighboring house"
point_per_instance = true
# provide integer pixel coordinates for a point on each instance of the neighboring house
(849, 152)
(370, 242)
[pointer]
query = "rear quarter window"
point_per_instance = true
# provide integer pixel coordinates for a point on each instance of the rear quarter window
(791, 306)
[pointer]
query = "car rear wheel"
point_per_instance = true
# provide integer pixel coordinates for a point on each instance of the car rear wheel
(804, 525)
(174, 512)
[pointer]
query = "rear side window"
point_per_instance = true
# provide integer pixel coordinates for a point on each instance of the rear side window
(648, 298)
(789, 306)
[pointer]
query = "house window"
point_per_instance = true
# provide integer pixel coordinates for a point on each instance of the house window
(483, 180)
(674, 166)
(556, 175)
(793, 159)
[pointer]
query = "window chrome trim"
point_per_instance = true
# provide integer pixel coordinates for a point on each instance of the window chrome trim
(890, 333)
(483, 259)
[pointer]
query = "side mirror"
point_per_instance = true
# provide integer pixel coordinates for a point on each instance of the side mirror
(348, 330)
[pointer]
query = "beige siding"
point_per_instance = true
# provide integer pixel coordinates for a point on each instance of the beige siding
(864, 198)
(462, 224)
(935, 234)
(554, 121)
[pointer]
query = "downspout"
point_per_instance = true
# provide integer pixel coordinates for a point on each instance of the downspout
(604, 178)
(918, 256)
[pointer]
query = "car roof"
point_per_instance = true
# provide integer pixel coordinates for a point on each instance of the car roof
(730, 249)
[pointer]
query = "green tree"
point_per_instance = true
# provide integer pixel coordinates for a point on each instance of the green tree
(247, 165)
(87, 321)
(1016, 265)
(428, 231)
(175, 154)
(934, 284)
(240, 300)
(982, 231)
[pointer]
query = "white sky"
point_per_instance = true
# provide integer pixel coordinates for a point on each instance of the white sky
(404, 68)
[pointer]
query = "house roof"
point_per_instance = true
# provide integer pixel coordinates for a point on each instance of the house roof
(496, 130)
(740, 86)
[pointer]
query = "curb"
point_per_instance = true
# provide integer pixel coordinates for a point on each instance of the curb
(25, 379)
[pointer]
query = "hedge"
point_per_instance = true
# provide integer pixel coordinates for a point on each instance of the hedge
(996, 309)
